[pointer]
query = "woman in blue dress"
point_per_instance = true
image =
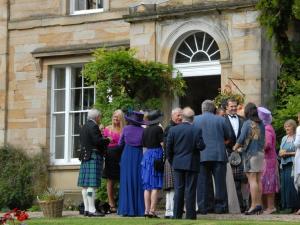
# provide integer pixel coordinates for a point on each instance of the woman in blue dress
(131, 199)
(152, 176)
(289, 198)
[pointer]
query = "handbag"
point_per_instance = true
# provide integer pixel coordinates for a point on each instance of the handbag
(235, 159)
(159, 165)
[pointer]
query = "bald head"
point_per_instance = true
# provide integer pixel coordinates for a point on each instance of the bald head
(188, 115)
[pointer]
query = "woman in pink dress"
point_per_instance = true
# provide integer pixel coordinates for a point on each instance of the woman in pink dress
(112, 159)
(270, 177)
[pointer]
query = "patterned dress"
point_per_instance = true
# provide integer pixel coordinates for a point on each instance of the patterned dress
(270, 177)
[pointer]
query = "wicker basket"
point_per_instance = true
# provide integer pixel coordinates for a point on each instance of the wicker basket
(52, 208)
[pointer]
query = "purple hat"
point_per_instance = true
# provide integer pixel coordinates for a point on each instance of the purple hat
(135, 118)
(265, 115)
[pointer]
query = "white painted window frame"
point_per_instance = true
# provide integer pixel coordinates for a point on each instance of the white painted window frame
(68, 136)
(87, 11)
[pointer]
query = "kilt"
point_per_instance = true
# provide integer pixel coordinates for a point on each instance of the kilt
(90, 171)
(168, 182)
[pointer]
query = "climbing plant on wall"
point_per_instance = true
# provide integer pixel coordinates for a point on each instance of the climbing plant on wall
(277, 17)
(125, 82)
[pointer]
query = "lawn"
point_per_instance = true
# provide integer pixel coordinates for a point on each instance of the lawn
(142, 221)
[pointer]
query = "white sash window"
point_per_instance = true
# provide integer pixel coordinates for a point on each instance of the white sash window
(86, 6)
(70, 100)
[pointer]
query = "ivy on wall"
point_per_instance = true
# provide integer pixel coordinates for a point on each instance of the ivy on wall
(277, 17)
(125, 82)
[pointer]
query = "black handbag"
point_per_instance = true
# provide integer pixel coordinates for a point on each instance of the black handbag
(159, 165)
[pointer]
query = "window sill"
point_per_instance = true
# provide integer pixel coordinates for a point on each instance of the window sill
(90, 11)
(63, 167)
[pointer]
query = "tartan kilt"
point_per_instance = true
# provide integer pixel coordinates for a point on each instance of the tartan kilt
(168, 182)
(91, 171)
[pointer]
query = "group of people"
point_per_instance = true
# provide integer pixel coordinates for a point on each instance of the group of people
(216, 162)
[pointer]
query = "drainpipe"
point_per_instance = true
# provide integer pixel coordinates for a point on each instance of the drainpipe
(6, 73)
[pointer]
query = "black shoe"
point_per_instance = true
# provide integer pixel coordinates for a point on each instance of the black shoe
(96, 214)
(202, 212)
(219, 211)
(86, 213)
(168, 217)
(256, 211)
(153, 215)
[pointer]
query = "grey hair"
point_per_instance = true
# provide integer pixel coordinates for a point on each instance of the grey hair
(176, 110)
(188, 114)
(208, 106)
(93, 114)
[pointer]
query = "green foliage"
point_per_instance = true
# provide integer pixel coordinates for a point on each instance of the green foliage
(19, 177)
(276, 16)
(124, 82)
(51, 194)
(227, 93)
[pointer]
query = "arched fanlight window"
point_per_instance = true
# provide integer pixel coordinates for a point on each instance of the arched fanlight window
(198, 47)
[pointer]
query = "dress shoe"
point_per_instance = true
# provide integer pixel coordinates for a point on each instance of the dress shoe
(202, 212)
(96, 214)
(256, 211)
(86, 213)
(168, 217)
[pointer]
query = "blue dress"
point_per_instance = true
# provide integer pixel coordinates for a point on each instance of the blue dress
(131, 193)
(151, 178)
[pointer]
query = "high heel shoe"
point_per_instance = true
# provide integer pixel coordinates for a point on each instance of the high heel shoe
(153, 215)
(256, 211)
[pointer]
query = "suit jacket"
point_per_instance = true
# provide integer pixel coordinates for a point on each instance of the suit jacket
(184, 143)
(214, 131)
(92, 139)
(232, 136)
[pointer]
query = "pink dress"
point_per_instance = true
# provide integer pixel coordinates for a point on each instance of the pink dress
(113, 156)
(270, 177)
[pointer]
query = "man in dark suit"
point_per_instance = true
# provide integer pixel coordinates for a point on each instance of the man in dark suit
(184, 143)
(93, 146)
(235, 123)
(213, 159)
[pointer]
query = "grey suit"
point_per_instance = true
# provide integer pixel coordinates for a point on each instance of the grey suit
(213, 162)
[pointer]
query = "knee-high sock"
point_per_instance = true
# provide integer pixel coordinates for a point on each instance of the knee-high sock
(85, 200)
(91, 199)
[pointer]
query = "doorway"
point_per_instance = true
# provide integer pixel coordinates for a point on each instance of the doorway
(200, 88)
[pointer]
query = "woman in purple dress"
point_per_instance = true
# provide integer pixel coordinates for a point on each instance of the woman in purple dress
(131, 196)
(270, 177)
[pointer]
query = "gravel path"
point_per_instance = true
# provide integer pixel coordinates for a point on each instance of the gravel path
(275, 217)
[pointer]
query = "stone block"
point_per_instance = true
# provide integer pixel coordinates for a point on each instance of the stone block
(247, 57)
(252, 72)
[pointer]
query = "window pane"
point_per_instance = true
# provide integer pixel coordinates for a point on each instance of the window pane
(59, 100)
(77, 120)
(76, 100)
(88, 98)
(59, 121)
(59, 147)
(59, 78)
(88, 4)
(200, 56)
(59, 124)
(76, 78)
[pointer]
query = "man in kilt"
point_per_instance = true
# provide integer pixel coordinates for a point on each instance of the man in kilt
(235, 123)
(93, 146)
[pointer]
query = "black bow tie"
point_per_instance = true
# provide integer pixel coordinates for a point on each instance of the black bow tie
(233, 116)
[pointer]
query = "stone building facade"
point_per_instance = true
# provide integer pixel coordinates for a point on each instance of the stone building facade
(45, 43)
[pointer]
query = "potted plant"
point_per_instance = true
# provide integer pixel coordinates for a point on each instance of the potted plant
(51, 202)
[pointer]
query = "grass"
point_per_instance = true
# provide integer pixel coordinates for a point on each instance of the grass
(142, 221)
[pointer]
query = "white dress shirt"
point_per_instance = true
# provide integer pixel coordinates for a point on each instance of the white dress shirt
(234, 120)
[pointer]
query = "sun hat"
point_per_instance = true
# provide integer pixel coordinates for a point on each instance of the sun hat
(154, 117)
(265, 115)
(136, 117)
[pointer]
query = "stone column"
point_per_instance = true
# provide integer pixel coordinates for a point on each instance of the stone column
(3, 68)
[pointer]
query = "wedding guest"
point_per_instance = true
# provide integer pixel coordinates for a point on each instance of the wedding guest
(252, 139)
(152, 163)
(297, 160)
(112, 157)
(270, 177)
(93, 147)
(168, 182)
(131, 199)
(289, 197)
